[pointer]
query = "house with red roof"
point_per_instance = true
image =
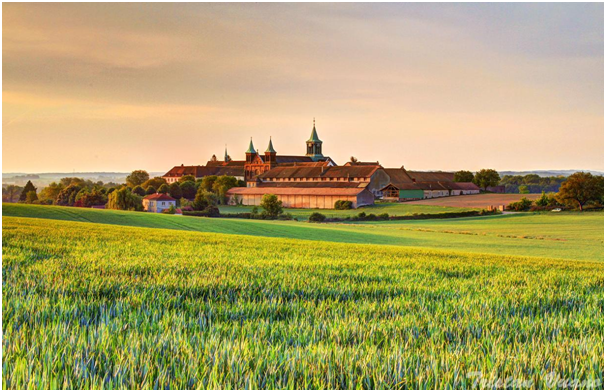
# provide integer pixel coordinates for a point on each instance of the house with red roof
(158, 202)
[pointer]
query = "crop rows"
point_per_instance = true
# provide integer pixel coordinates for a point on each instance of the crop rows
(102, 306)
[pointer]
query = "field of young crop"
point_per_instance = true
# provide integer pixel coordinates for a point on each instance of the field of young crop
(578, 236)
(97, 306)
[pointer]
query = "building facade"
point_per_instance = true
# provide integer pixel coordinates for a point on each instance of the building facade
(158, 202)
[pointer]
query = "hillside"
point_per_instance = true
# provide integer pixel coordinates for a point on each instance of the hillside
(567, 235)
(114, 307)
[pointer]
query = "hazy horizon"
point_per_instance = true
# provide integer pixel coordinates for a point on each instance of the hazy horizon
(117, 87)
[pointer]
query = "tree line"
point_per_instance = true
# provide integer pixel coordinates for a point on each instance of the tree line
(77, 192)
(529, 183)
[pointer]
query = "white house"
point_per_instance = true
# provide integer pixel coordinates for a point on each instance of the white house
(158, 202)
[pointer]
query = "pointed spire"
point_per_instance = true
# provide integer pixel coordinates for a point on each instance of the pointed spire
(314, 135)
(270, 147)
(226, 158)
(251, 148)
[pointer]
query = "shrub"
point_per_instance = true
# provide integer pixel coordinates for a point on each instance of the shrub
(362, 215)
(204, 199)
(343, 205)
(124, 199)
(384, 216)
(170, 210)
(317, 217)
(271, 205)
(522, 205)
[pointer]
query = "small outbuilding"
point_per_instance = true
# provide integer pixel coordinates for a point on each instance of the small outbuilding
(158, 202)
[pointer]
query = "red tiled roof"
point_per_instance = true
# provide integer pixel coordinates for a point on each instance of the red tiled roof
(308, 164)
(361, 163)
(292, 158)
(320, 172)
(297, 191)
(314, 184)
(159, 196)
(465, 186)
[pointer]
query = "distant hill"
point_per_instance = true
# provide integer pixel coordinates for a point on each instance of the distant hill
(43, 179)
(547, 173)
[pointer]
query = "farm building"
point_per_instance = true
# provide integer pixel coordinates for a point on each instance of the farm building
(302, 197)
(412, 185)
(158, 202)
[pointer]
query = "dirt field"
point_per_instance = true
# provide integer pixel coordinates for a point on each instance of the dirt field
(476, 201)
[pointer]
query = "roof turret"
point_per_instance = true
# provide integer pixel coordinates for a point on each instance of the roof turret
(251, 148)
(314, 135)
(270, 147)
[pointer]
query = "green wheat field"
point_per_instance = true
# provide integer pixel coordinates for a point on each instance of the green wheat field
(104, 299)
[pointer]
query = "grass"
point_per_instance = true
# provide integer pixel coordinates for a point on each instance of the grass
(398, 209)
(96, 306)
(565, 236)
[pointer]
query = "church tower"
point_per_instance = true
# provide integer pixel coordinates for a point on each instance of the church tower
(314, 145)
(270, 153)
(250, 153)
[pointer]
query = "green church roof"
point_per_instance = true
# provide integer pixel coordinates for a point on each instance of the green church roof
(270, 148)
(314, 135)
(251, 148)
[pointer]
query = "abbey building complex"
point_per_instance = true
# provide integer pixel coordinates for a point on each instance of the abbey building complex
(314, 180)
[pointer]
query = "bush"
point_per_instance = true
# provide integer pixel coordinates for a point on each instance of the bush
(204, 199)
(317, 217)
(361, 215)
(523, 205)
(124, 199)
(210, 212)
(343, 205)
(384, 216)
(271, 205)
(170, 210)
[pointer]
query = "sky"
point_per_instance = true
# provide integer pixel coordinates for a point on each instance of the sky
(119, 87)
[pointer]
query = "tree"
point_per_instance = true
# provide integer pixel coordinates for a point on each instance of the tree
(51, 191)
(271, 205)
(67, 181)
(137, 177)
(163, 189)
(156, 182)
(204, 199)
(67, 196)
(581, 188)
(31, 197)
(208, 182)
(463, 176)
(523, 189)
(486, 177)
(93, 198)
(175, 191)
(186, 178)
(222, 185)
(11, 193)
(29, 187)
(188, 188)
(139, 190)
(150, 190)
(124, 199)
(353, 159)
